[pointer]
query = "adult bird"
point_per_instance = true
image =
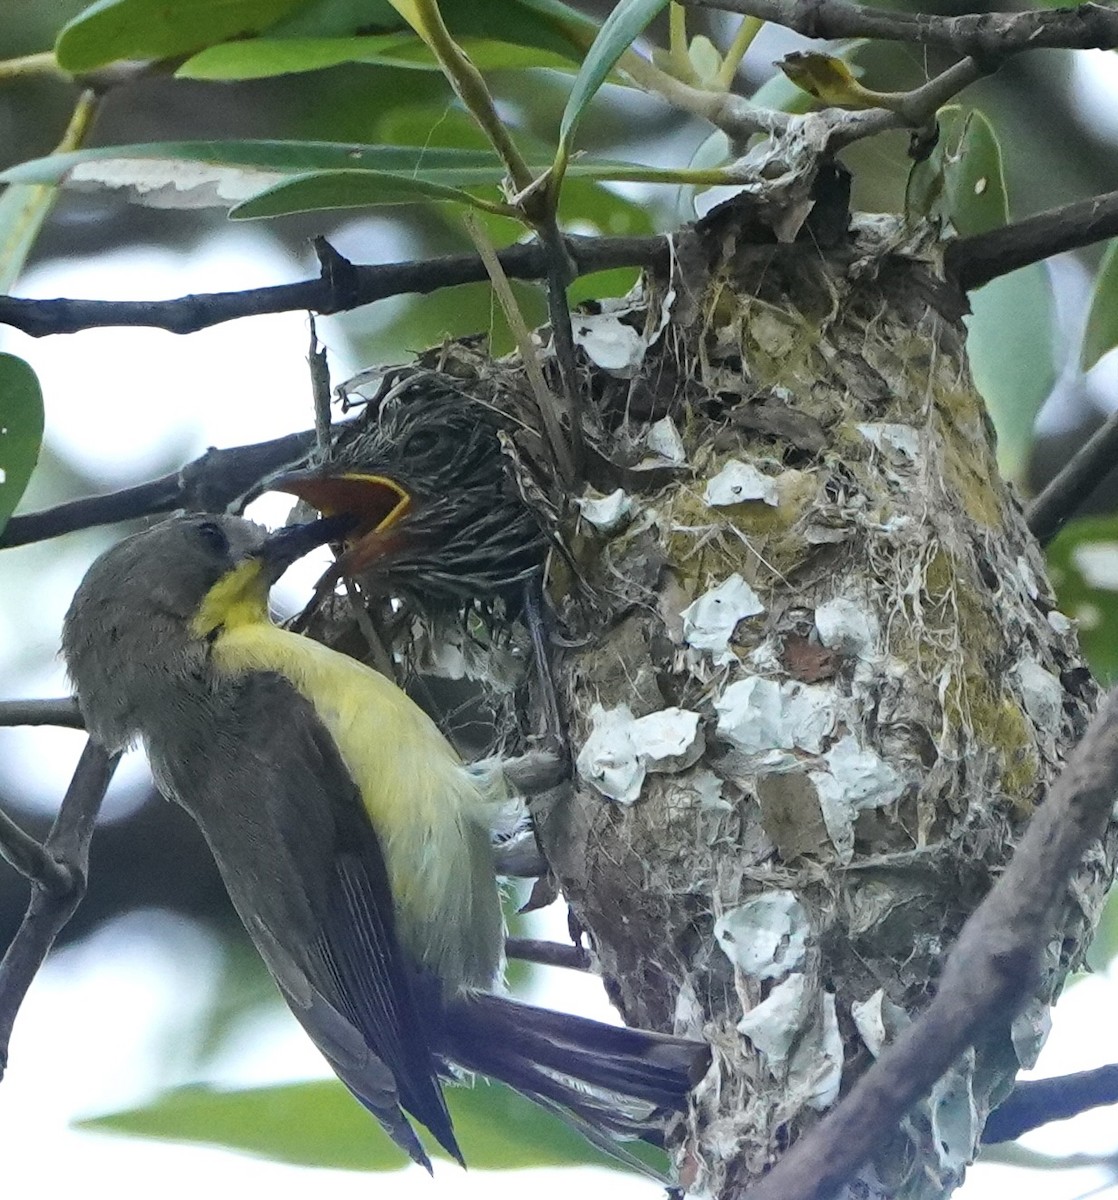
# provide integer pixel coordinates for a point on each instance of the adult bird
(354, 843)
(439, 517)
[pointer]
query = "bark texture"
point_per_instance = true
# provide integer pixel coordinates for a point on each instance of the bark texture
(818, 685)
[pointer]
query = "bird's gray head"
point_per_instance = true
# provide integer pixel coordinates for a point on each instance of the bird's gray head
(127, 636)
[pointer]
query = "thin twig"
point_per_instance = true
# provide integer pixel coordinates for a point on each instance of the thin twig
(988, 974)
(545, 398)
(1086, 27)
(211, 483)
(549, 954)
(1071, 486)
(320, 392)
(63, 711)
(332, 292)
(1038, 1102)
(56, 893)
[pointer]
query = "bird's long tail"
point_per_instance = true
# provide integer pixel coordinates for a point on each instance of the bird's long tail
(613, 1082)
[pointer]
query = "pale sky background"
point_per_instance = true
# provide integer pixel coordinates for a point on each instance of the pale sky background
(84, 1040)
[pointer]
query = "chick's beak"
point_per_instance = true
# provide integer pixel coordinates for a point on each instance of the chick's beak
(374, 503)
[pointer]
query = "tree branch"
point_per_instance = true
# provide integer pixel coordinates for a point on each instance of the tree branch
(1075, 481)
(341, 286)
(548, 954)
(63, 712)
(974, 261)
(208, 484)
(58, 873)
(1038, 1102)
(994, 34)
(986, 976)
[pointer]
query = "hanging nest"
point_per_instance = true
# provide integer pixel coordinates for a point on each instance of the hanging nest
(811, 668)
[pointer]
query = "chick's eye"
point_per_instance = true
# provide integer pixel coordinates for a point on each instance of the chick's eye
(214, 537)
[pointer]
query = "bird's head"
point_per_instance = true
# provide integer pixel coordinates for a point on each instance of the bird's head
(409, 479)
(142, 616)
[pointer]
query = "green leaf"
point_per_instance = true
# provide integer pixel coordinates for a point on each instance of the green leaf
(320, 1125)
(261, 58)
(23, 209)
(1083, 567)
(111, 30)
(620, 29)
(1010, 343)
(962, 182)
(208, 174)
(779, 92)
(21, 430)
(353, 189)
(1101, 333)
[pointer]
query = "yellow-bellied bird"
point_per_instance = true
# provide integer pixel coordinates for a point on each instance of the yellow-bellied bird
(353, 842)
(438, 513)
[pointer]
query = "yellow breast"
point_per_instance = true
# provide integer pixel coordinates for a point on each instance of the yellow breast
(431, 817)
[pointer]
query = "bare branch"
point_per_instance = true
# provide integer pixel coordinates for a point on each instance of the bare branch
(988, 973)
(1078, 478)
(548, 954)
(58, 887)
(340, 287)
(208, 484)
(63, 712)
(985, 35)
(1038, 1102)
(976, 260)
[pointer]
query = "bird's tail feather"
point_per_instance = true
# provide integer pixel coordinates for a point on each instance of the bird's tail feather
(614, 1081)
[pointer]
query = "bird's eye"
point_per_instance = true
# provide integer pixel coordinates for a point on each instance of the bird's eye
(214, 536)
(423, 441)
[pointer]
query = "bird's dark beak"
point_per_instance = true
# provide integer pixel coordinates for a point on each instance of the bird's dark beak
(373, 503)
(287, 545)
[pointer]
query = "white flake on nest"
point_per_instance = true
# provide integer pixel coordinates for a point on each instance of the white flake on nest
(609, 343)
(664, 441)
(622, 749)
(1029, 1032)
(766, 937)
(1028, 578)
(774, 1025)
(757, 715)
(1042, 694)
(817, 1067)
(887, 436)
(953, 1116)
(738, 482)
(800, 1042)
(1060, 623)
(855, 779)
(848, 627)
(606, 513)
(709, 623)
(878, 1020)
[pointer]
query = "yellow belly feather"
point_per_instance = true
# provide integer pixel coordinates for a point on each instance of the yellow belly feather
(432, 817)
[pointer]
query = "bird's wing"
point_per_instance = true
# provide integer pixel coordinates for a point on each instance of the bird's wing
(305, 871)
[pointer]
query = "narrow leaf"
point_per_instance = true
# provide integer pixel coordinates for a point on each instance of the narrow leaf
(1101, 334)
(349, 189)
(1010, 341)
(112, 30)
(208, 174)
(318, 1124)
(261, 58)
(1083, 565)
(621, 28)
(21, 430)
